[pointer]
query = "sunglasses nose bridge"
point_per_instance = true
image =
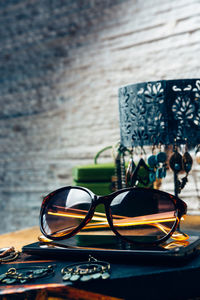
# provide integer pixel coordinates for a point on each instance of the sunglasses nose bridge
(100, 200)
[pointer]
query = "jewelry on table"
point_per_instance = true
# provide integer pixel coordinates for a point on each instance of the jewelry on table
(85, 271)
(24, 275)
(8, 254)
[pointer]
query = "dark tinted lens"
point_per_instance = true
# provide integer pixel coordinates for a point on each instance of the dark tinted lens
(143, 215)
(65, 210)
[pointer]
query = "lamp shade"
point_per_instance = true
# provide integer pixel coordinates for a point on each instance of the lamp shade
(160, 112)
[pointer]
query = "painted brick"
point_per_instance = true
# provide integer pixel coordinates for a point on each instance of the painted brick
(61, 64)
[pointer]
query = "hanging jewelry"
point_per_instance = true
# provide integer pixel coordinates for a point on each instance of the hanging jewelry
(176, 165)
(119, 179)
(180, 163)
(138, 178)
(175, 161)
(152, 162)
(130, 169)
(85, 271)
(157, 164)
(123, 167)
(187, 162)
(161, 158)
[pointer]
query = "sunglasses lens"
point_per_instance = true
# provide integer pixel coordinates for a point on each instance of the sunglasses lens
(143, 215)
(65, 210)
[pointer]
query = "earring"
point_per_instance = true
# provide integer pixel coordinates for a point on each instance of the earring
(175, 164)
(123, 167)
(161, 158)
(157, 165)
(140, 175)
(187, 162)
(152, 162)
(130, 169)
(120, 177)
(175, 161)
(181, 163)
(87, 270)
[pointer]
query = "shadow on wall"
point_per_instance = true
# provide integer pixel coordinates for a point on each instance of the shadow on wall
(61, 64)
(37, 150)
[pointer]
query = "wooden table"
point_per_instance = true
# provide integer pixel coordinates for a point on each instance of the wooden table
(133, 273)
(30, 235)
(20, 238)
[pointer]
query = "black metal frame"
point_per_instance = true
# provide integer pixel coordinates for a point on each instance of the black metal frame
(158, 112)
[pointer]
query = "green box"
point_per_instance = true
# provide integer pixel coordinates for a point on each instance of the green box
(96, 177)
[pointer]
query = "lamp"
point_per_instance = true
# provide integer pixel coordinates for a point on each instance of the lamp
(165, 112)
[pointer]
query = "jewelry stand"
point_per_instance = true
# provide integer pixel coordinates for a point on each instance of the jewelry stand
(165, 112)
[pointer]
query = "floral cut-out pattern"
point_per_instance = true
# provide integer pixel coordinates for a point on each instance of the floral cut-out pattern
(160, 112)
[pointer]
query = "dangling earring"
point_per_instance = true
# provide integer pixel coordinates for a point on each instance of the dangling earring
(140, 175)
(152, 163)
(130, 169)
(176, 163)
(187, 162)
(120, 168)
(123, 168)
(161, 158)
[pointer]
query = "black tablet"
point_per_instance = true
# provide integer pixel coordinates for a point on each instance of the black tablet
(113, 249)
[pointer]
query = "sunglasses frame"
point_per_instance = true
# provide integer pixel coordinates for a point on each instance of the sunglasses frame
(180, 207)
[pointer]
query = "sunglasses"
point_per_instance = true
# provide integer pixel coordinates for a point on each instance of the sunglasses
(135, 215)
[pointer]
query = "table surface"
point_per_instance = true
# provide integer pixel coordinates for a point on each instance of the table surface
(135, 275)
(20, 238)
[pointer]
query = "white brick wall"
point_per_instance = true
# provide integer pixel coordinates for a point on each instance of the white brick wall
(60, 70)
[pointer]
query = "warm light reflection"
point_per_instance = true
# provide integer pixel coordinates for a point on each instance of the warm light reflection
(179, 236)
(123, 221)
(154, 220)
(73, 215)
(173, 245)
(130, 222)
(72, 211)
